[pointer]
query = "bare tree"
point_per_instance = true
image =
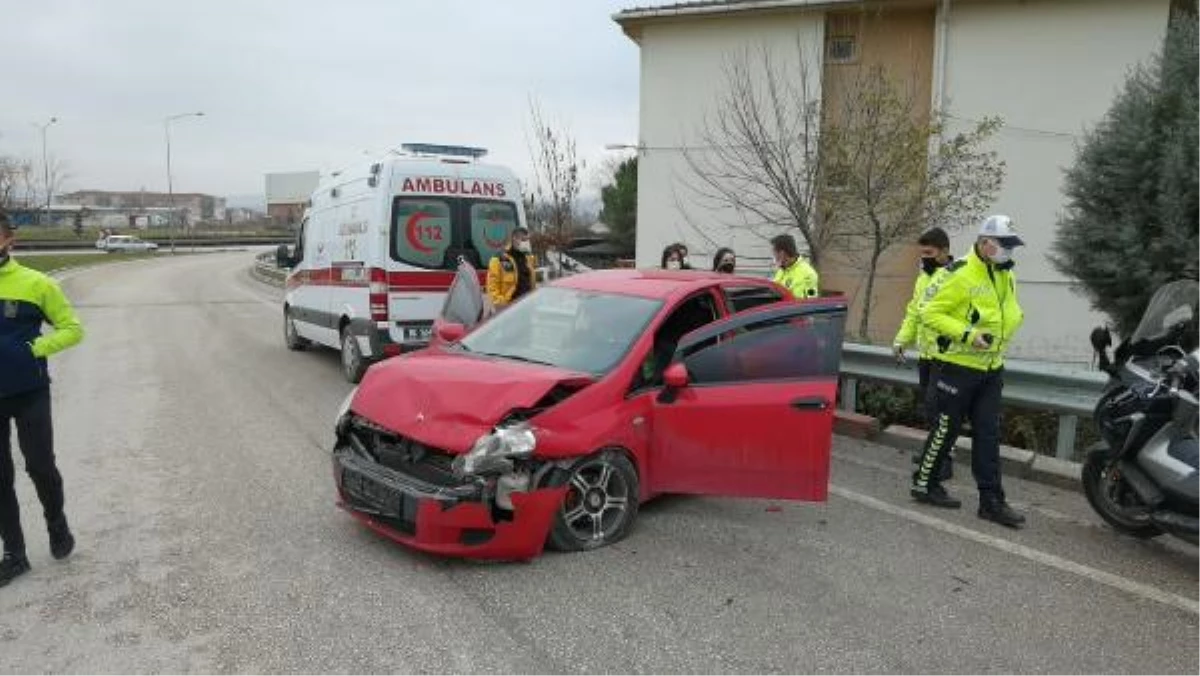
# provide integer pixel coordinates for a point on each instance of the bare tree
(885, 184)
(18, 183)
(557, 172)
(759, 153)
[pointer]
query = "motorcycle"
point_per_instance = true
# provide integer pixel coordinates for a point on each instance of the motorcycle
(1142, 476)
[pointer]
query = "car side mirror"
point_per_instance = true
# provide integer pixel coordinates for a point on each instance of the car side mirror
(676, 376)
(283, 256)
(451, 332)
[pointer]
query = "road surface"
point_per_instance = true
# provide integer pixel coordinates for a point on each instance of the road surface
(195, 453)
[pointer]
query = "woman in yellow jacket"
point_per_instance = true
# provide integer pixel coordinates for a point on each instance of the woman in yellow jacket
(512, 273)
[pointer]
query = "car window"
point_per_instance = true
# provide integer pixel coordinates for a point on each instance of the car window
(691, 314)
(780, 348)
(743, 298)
(422, 231)
(299, 253)
(491, 223)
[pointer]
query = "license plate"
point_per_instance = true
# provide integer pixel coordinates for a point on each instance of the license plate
(417, 333)
(377, 496)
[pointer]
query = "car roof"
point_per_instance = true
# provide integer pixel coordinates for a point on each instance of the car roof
(651, 283)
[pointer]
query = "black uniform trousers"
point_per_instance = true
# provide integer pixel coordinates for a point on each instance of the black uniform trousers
(959, 393)
(31, 413)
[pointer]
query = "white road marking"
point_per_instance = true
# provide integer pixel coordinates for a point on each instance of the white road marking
(1126, 585)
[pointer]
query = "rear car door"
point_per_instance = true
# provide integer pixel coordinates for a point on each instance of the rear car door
(756, 416)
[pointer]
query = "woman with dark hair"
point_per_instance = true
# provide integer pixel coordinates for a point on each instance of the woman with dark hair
(672, 259)
(684, 264)
(724, 260)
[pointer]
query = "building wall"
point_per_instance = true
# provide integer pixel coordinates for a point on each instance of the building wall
(1050, 69)
(682, 80)
(901, 42)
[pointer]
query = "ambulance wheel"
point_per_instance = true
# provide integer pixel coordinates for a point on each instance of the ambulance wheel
(353, 363)
(291, 337)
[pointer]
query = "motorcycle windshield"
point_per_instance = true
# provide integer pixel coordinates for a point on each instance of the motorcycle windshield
(1171, 316)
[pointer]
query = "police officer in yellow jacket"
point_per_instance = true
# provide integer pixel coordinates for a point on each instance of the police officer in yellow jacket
(974, 312)
(793, 272)
(934, 248)
(512, 273)
(27, 300)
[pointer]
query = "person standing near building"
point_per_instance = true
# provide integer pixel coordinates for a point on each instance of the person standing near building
(512, 273)
(29, 299)
(935, 256)
(793, 272)
(725, 261)
(974, 312)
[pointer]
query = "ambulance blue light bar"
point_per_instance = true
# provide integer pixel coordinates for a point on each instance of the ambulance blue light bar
(450, 151)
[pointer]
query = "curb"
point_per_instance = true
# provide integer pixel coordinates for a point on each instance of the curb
(1016, 462)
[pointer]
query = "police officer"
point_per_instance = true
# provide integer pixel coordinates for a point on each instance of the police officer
(512, 273)
(935, 256)
(974, 312)
(793, 272)
(27, 300)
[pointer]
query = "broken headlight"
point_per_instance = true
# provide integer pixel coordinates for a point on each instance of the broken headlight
(493, 453)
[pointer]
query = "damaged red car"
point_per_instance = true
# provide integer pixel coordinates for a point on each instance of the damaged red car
(549, 423)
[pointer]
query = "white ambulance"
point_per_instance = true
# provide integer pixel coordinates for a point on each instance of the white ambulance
(379, 247)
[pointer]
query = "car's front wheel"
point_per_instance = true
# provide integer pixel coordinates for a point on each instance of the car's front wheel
(600, 505)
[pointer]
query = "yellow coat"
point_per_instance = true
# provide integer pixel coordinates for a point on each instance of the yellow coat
(502, 278)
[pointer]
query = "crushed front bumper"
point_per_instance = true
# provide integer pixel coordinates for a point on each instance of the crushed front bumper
(442, 517)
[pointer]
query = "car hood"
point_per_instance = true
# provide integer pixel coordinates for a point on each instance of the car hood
(448, 400)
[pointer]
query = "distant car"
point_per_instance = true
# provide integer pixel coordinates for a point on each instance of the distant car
(551, 421)
(115, 243)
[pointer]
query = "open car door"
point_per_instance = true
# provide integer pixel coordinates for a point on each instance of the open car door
(466, 305)
(754, 416)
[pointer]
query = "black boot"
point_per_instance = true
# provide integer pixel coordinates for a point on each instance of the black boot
(946, 471)
(936, 496)
(12, 566)
(996, 509)
(62, 543)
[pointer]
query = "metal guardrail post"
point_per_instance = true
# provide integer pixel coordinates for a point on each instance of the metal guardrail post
(849, 394)
(1065, 447)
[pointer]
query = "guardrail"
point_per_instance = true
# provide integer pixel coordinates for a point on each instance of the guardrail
(1070, 392)
(264, 267)
(40, 245)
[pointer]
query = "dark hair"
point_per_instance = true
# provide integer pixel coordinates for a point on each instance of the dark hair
(935, 237)
(6, 225)
(666, 254)
(520, 230)
(786, 244)
(719, 255)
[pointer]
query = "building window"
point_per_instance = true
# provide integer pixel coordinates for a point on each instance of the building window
(842, 49)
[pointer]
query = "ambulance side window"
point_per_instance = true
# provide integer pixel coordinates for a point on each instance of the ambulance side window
(298, 254)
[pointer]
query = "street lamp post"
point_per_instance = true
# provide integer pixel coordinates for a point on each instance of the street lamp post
(170, 186)
(46, 162)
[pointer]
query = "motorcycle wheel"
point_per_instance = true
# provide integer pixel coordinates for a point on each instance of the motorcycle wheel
(1114, 500)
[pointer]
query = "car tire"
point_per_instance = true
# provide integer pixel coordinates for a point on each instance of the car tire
(354, 365)
(601, 503)
(291, 337)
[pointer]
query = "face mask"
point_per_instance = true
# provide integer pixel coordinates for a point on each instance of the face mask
(673, 265)
(1002, 255)
(524, 247)
(726, 267)
(929, 265)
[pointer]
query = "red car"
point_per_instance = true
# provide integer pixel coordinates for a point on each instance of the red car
(551, 422)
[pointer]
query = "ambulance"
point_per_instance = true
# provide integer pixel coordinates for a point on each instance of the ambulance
(379, 246)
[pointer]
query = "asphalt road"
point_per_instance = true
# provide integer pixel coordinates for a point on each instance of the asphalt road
(195, 453)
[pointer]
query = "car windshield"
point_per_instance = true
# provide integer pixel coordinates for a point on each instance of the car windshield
(572, 329)
(1170, 315)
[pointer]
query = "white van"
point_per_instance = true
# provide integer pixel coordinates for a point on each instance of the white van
(379, 246)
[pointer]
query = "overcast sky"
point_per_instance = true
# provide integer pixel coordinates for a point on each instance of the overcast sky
(297, 85)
